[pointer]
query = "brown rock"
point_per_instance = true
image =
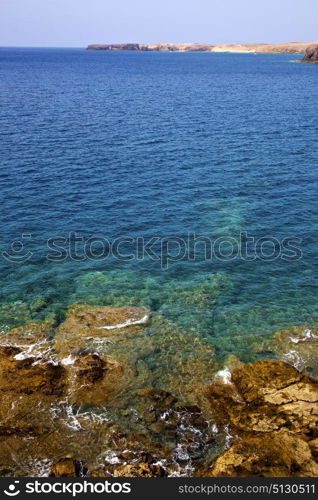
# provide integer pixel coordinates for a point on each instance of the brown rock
(314, 448)
(111, 320)
(25, 414)
(272, 411)
(266, 396)
(311, 54)
(139, 470)
(93, 379)
(280, 455)
(67, 467)
(257, 380)
(28, 375)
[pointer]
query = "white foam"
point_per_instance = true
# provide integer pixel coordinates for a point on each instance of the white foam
(130, 322)
(224, 375)
(111, 457)
(41, 351)
(39, 468)
(70, 360)
(294, 358)
(306, 335)
(75, 418)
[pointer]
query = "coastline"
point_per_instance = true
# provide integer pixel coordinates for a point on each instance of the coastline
(257, 48)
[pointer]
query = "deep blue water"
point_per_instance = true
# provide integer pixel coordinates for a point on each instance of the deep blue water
(127, 145)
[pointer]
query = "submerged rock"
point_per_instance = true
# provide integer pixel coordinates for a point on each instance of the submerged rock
(28, 387)
(133, 409)
(27, 335)
(85, 323)
(113, 320)
(25, 415)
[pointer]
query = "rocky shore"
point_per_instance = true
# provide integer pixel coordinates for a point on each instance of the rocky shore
(258, 48)
(90, 397)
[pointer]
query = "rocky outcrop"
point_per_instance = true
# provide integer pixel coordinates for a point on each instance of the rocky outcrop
(271, 410)
(287, 48)
(280, 455)
(85, 393)
(311, 54)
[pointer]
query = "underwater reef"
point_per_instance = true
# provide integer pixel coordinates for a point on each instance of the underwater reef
(101, 394)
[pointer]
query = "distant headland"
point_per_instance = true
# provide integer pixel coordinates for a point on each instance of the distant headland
(311, 54)
(262, 48)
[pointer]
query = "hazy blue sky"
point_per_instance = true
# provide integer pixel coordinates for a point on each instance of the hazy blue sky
(80, 22)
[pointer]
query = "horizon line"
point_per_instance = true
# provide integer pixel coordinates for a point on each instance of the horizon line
(148, 43)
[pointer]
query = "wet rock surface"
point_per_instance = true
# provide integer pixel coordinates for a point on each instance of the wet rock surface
(281, 455)
(92, 379)
(28, 375)
(80, 399)
(87, 392)
(298, 346)
(271, 411)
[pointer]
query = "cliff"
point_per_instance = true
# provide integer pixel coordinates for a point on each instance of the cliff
(283, 48)
(311, 54)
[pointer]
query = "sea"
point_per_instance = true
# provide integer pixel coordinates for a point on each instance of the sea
(182, 182)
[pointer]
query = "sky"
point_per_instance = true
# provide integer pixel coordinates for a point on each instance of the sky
(77, 23)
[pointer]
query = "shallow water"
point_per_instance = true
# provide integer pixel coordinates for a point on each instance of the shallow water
(128, 145)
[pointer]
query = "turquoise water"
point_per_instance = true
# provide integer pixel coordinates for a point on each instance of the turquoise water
(142, 145)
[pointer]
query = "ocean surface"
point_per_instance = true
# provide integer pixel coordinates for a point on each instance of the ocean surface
(126, 147)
